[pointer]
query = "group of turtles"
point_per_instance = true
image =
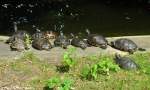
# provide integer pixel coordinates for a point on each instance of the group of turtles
(48, 39)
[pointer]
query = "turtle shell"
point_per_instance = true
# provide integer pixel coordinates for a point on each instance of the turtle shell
(50, 34)
(17, 45)
(41, 44)
(97, 40)
(125, 45)
(62, 41)
(126, 63)
(77, 42)
(19, 34)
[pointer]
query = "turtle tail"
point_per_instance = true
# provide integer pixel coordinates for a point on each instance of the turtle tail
(110, 43)
(141, 49)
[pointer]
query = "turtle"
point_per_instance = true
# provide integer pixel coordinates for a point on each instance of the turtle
(17, 45)
(77, 42)
(125, 44)
(97, 40)
(62, 41)
(17, 34)
(126, 63)
(41, 44)
(51, 36)
(38, 34)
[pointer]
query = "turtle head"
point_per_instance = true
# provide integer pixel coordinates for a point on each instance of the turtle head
(83, 45)
(87, 31)
(72, 35)
(15, 26)
(103, 46)
(117, 56)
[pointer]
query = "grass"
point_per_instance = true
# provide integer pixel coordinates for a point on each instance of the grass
(29, 71)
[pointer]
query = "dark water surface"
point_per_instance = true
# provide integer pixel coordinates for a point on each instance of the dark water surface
(108, 20)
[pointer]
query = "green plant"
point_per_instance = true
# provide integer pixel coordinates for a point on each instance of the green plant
(68, 61)
(27, 41)
(53, 82)
(66, 85)
(104, 66)
(93, 71)
(57, 83)
(142, 59)
(90, 73)
(107, 65)
(85, 72)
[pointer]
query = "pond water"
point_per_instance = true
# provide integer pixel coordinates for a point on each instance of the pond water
(108, 20)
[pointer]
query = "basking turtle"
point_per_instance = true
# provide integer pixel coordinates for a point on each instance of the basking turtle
(17, 44)
(62, 41)
(77, 42)
(17, 34)
(41, 44)
(38, 34)
(126, 63)
(125, 44)
(96, 40)
(51, 36)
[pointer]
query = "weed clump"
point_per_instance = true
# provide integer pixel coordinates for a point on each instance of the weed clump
(56, 83)
(104, 67)
(68, 61)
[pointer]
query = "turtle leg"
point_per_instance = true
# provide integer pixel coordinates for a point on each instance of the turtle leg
(131, 51)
